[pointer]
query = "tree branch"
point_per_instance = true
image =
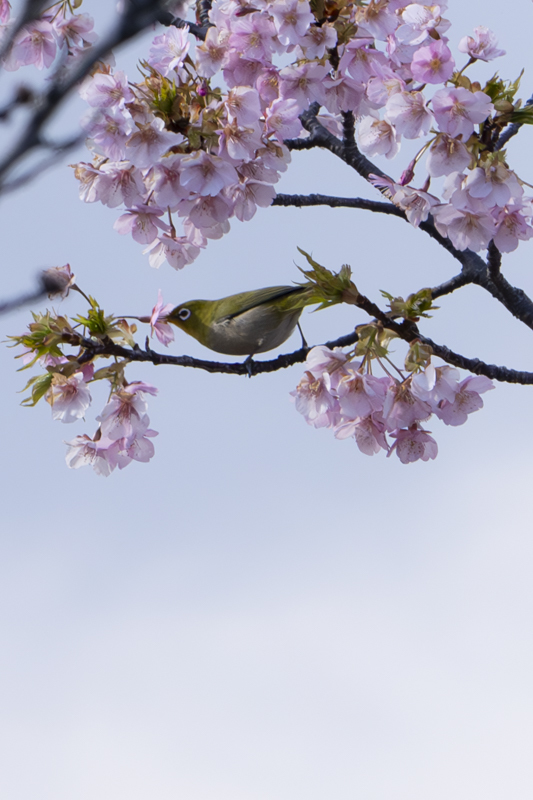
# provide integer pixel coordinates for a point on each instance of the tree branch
(450, 285)
(306, 200)
(168, 19)
(511, 130)
(409, 332)
(474, 268)
(47, 285)
(249, 368)
(136, 16)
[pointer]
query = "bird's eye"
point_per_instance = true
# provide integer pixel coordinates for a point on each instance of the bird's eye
(184, 314)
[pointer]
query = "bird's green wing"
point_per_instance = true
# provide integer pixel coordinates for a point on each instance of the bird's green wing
(262, 296)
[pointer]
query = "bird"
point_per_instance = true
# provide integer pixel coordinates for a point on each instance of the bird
(246, 323)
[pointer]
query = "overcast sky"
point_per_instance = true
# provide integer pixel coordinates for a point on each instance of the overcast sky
(262, 612)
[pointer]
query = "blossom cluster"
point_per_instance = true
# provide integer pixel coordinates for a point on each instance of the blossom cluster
(57, 35)
(336, 392)
(124, 434)
(177, 146)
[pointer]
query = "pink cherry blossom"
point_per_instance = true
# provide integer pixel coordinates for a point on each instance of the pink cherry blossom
(108, 131)
(433, 64)
(98, 454)
(169, 50)
(243, 105)
(140, 448)
(282, 118)
(512, 227)
(377, 137)
(34, 44)
(416, 203)
(142, 222)
(361, 60)
(384, 85)
(318, 39)
(368, 432)
(303, 83)
(239, 144)
(163, 330)
(483, 45)
(343, 94)
(254, 37)
(360, 395)
(467, 400)
(76, 30)
(124, 416)
(433, 385)
(164, 181)
(458, 110)
(402, 408)
(495, 185)
(466, 228)
(239, 71)
(447, 155)
(249, 194)
(377, 20)
(148, 143)
(206, 174)
(206, 212)
(408, 113)
(267, 85)
(176, 250)
(211, 53)
(413, 444)
(103, 90)
(69, 397)
(121, 183)
(321, 360)
(315, 402)
(5, 11)
(292, 19)
(419, 22)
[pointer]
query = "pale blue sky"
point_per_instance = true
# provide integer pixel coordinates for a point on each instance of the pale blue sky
(264, 613)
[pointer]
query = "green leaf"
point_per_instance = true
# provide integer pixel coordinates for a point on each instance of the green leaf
(40, 385)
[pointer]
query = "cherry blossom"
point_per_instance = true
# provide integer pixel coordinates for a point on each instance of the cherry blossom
(368, 432)
(377, 137)
(206, 174)
(142, 222)
(413, 444)
(408, 113)
(314, 400)
(467, 400)
(482, 45)
(163, 330)
(433, 64)
(447, 155)
(513, 225)
(169, 50)
(458, 110)
(100, 454)
(69, 397)
(419, 22)
(103, 90)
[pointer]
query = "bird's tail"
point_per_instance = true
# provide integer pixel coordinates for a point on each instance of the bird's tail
(325, 288)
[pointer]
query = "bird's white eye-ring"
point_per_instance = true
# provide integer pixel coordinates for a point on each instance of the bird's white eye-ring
(184, 314)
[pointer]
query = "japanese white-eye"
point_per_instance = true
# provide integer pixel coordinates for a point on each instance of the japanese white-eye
(246, 323)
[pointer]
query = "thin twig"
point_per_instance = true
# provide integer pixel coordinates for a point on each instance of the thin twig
(47, 285)
(137, 15)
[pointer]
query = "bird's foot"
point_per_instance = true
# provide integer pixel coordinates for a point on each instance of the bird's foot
(304, 343)
(248, 364)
